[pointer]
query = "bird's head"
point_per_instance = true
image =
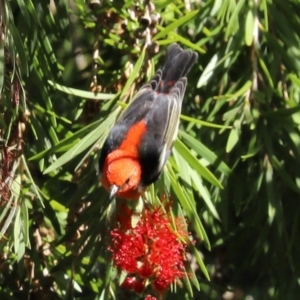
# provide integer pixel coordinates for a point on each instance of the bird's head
(121, 176)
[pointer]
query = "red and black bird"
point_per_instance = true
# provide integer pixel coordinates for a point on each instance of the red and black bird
(139, 144)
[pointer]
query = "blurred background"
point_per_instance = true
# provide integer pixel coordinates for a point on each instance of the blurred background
(68, 69)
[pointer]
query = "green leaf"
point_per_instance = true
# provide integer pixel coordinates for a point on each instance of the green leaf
(295, 79)
(249, 28)
(24, 11)
(19, 47)
(26, 223)
(204, 194)
(204, 123)
(187, 278)
(68, 142)
(35, 188)
(200, 263)
(271, 195)
(174, 25)
(31, 9)
(233, 138)
(208, 71)
(266, 71)
(265, 11)
(86, 142)
(134, 73)
(195, 164)
(17, 232)
(282, 113)
(233, 24)
(229, 97)
(204, 152)
(188, 206)
(186, 42)
(284, 174)
(80, 93)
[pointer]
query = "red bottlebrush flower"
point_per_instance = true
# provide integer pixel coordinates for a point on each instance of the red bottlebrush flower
(150, 297)
(124, 215)
(145, 271)
(127, 248)
(151, 251)
(128, 283)
(132, 283)
(138, 286)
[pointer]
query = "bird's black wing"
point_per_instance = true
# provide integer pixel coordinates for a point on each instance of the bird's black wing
(135, 112)
(162, 124)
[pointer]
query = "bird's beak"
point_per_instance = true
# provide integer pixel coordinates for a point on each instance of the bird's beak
(113, 190)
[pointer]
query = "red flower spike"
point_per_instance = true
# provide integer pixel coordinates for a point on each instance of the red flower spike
(138, 286)
(128, 249)
(145, 271)
(128, 283)
(150, 297)
(151, 250)
(161, 283)
(124, 216)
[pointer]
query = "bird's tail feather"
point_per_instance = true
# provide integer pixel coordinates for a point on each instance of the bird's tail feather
(177, 65)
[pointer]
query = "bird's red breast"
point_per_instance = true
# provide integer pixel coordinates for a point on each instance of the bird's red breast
(123, 163)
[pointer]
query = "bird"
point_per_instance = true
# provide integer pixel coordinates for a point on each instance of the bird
(139, 144)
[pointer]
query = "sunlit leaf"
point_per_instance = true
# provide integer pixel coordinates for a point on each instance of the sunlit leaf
(249, 26)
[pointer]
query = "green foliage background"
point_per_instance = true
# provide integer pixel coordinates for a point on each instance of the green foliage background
(67, 69)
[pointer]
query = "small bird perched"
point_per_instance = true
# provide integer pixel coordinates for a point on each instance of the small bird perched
(140, 143)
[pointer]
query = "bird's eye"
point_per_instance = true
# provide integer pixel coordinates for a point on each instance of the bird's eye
(127, 180)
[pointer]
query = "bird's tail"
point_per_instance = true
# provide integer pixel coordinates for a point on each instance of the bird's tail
(177, 65)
